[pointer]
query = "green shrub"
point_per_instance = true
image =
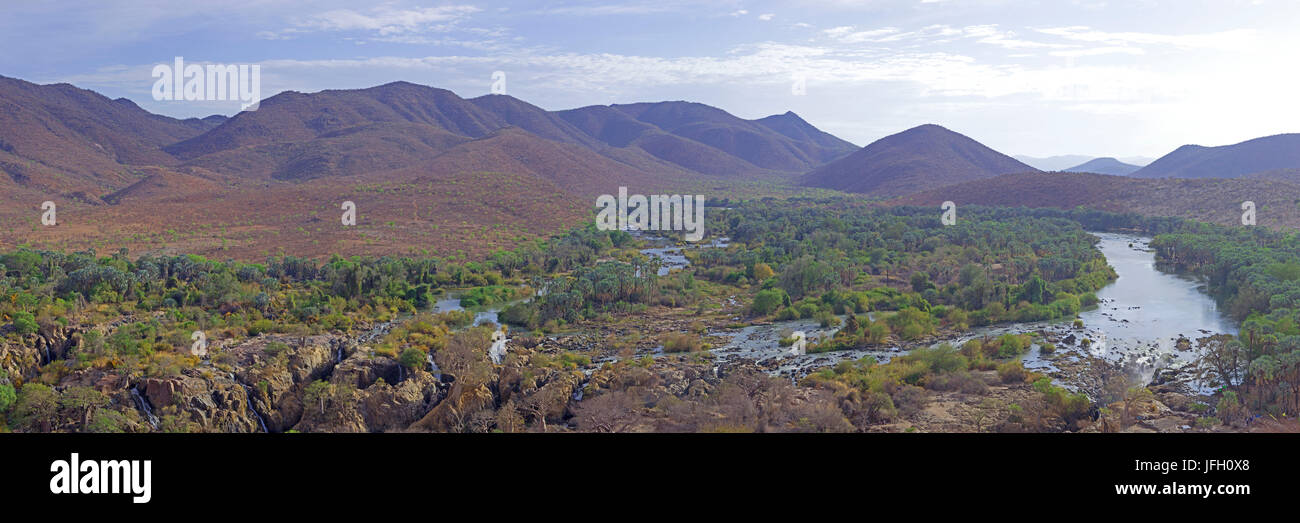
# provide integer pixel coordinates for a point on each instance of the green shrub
(25, 323)
(1011, 345)
(259, 327)
(7, 397)
(768, 301)
(274, 348)
(412, 358)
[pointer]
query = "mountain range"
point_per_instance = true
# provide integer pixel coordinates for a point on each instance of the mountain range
(1068, 161)
(432, 168)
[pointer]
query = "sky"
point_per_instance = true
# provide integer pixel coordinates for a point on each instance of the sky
(1033, 77)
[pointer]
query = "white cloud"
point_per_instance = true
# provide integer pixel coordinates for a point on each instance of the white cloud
(1234, 40)
(385, 20)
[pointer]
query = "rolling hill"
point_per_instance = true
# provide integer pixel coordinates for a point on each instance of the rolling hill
(1228, 161)
(1214, 200)
(917, 159)
(1104, 166)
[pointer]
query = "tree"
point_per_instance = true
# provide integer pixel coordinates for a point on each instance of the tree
(768, 301)
(412, 358)
(614, 411)
(921, 281)
(318, 392)
(7, 397)
(25, 323)
(1033, 290)
(1223, 358)
(36, 406)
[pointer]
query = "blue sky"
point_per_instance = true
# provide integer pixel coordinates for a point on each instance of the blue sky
(1138, 77)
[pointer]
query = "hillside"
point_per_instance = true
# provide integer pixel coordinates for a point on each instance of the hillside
(64, 139)
(708, 140)
(1208, 199)
(1104, 166)
(920, 158)
(430, 171)
(1228, 161)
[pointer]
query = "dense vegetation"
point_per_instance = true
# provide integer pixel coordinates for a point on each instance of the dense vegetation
(883, 275)
(840, 257)
(1255, 272)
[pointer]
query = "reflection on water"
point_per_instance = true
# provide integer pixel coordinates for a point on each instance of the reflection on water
(1146, 310)
(489, 314)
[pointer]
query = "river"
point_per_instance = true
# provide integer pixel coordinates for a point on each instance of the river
(1144, 312)
(1137, 322)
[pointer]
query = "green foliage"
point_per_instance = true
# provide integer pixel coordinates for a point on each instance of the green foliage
(7, 397)
(412, 358)
(36, 406)
(25, 323)
(1069, 406)
(261, 327)
(768, 301)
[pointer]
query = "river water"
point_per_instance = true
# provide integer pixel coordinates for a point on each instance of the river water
(1137, 322)
(1142, 315)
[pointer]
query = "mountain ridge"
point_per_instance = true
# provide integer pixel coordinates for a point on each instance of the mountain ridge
(1266, 153)
(923, 157)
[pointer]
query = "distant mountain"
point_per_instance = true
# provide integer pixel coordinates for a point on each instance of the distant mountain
(296, 136)
(58, 141)
(675, 132)
(1140, 161)
(68, 139)
(920, 158)
(1104, 166)
(1229, 161)
(1053, 163)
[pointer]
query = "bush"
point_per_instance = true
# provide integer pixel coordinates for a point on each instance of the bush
(1012, 372)
(7, 397)
(274, 348)
(1230, 409)
(412, 358)
(35, 406)
(940, 359)
(1011, 346)
(768, 301)
(682, 342)
(25, 323)
(962, 381)
(1069, 406)
(260, 327)
(522, 314)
